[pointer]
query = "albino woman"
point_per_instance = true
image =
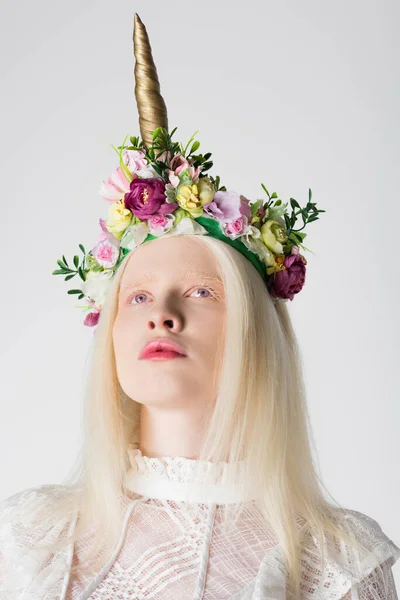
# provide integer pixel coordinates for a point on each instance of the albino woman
(196, 478)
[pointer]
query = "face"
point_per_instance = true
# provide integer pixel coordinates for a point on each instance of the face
(171, 289)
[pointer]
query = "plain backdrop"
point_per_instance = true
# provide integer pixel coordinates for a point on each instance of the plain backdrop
(290, 94)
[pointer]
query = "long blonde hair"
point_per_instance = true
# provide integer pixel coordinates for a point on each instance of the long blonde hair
(260, 413)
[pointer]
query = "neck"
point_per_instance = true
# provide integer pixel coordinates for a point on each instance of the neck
(171, 432)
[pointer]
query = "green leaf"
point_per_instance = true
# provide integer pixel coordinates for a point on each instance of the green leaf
(59, 272)
(74, 292)
(265, 189)
(156, 132)
(274, 195)
(65, 260)
(309, 194)
(68, 277)
(81, 274)
(195, 146)
(294, 204)
(61, 264)
(82, 248)
(76, 261)
(287, 221)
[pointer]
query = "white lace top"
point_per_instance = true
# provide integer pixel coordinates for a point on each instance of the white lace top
(172, 546)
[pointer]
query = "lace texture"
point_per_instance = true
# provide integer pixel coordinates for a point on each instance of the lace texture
(173, 550)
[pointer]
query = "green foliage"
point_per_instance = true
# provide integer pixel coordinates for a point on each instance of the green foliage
(308, 214)
(69, 273)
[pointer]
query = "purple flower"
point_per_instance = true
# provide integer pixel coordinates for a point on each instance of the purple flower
(228, 207)
(147, 197)
(288, 282)
(92, 318)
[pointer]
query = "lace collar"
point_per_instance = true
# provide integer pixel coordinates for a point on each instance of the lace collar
(184, 479)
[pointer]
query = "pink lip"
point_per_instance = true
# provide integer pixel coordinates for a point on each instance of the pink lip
(162, 349)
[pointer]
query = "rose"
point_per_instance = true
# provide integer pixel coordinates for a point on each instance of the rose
(206, 190)
(160, 224)
(147, 197)
(116, 186)
(289, 281)
(236, 228)
(273, 235)
(106, 253)
(228, 206)
(119, 218)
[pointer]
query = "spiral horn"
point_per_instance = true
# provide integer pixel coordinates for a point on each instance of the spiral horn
(151, 106)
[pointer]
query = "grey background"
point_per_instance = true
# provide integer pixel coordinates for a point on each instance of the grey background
(291, 94)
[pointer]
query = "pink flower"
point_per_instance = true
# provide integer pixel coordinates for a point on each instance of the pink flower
(92, 318)
(159, 224)
(236, 228)
(116, 187)
(147, 198)
(288, 282)
(228, 206)
(134, 160)
(177, 166)
(106, 253)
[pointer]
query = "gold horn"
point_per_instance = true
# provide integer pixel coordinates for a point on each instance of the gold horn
(151, 106)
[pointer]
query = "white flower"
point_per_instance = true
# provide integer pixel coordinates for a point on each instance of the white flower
(147, 172)
(134, 235)
(96, 285)
(185, 226)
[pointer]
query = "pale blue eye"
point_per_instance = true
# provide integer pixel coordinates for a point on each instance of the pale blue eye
(138, 296)
(204, 289)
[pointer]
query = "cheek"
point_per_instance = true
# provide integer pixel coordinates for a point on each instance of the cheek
(123, 338)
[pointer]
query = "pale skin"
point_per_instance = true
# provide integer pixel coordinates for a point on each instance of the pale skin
(171, 287)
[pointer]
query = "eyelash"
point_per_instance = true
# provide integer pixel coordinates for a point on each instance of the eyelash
(200, 287)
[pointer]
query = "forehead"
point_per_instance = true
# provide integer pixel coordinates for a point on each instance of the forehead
(177, 256)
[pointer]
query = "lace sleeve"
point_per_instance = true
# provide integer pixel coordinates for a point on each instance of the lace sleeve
(27, 527)
(364, 574)
(378, 585)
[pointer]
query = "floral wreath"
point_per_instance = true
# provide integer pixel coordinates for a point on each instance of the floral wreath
(163, 190)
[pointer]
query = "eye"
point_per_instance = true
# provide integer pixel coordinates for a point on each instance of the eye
(204, 289)
(205, 292)
(136, 295)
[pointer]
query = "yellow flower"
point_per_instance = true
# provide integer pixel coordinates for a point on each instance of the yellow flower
(206, 190)
(274, 263)
(273, 235)
(119, 218)
(188, 199)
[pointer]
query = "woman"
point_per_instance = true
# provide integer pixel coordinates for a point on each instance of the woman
(196, 477)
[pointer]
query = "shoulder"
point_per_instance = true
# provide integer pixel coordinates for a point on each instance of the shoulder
(364, 568)
(40, 502)
(30, 521)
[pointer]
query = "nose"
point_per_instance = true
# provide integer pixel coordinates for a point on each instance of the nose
(165, 319)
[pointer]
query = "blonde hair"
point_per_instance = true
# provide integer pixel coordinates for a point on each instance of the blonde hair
(260, 413)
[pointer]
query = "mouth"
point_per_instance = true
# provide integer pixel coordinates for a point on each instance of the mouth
(162, 349)
(162, 355)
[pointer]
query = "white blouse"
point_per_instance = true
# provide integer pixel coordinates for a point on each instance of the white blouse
(172, 546)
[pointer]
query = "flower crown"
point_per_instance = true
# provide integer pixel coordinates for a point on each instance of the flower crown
(162, 190)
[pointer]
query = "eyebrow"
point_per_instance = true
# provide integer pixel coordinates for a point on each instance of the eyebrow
(147, 277)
